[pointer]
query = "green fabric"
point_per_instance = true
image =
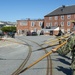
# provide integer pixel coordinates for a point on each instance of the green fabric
(64, 50)
(73, 72)
(68, 46)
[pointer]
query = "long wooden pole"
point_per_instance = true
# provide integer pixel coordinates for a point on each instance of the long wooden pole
(43, 57)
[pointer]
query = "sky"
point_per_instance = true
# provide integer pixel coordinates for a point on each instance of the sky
(12, 10)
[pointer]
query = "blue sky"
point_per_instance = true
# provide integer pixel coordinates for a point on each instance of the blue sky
(12, 10)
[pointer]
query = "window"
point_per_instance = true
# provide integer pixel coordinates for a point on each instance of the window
(50, 23)
(68, 23)
(62, 17)
(56, 24)
(50, 18)
(56, 17)
(40, 24)
(20, 31)
(32, 24)
(62, 23)
(68, 16)
(23, 23)
(48, 26)
(68, 30)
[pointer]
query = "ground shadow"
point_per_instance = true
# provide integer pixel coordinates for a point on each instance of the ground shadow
(67, 71)
(65, 56)
(64, 61)
(45, 47)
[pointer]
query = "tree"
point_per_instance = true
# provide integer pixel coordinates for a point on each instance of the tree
(8, 29)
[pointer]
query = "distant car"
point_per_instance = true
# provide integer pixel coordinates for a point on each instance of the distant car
(60, 33)
(51, 32)
(11, 34)
(1, 35)
(42, 33)
(34, 33)
(28, 33)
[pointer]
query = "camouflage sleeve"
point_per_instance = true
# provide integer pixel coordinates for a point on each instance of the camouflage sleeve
(64, 50)
(67, 47)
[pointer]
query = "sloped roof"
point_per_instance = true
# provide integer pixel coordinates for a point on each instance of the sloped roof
(64, 10)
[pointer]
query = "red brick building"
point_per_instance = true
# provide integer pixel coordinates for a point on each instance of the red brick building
(61, 17)
(29, 25)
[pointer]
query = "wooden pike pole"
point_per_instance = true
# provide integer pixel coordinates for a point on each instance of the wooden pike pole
(43, 56)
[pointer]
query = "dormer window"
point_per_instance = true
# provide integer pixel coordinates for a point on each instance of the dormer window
(62, 9)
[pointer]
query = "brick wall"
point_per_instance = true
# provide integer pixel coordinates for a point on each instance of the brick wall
(65, 27)
(26, 25)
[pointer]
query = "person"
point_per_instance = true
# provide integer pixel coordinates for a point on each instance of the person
(13, 35)
(68, 47)
(60, 33)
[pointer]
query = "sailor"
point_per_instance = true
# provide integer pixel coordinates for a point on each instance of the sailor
(69, 47)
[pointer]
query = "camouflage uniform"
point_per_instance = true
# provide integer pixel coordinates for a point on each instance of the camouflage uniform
(69, 47)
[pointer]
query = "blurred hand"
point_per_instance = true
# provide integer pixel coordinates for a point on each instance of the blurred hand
(53, 50)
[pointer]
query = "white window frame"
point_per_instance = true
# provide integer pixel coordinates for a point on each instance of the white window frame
(50, 18)
(68, 16)
(23, 23)
(68, 23)
(62, 17)
(62, 23)
(47, 24)
(56, 24)
(32, 24)
(56, 17)
(20, 31)
(40, 24)
(68, 30)
(50, 23)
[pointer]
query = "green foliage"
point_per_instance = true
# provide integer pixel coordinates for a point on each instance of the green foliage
(9, 29)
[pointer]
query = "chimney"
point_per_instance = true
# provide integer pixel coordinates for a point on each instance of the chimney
(63, 6)
(62, 9)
